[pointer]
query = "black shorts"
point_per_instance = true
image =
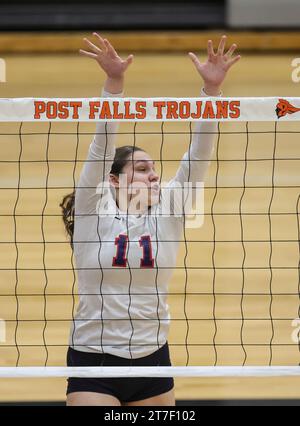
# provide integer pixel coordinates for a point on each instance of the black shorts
(124, 389)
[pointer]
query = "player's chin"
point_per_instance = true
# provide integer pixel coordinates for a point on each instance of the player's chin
(153, 200)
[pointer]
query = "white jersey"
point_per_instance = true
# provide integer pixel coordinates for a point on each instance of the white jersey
(125, 262)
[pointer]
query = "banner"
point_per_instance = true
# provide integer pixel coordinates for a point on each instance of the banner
(150, 109)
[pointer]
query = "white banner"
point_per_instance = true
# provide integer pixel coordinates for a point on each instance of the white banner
(150, 109)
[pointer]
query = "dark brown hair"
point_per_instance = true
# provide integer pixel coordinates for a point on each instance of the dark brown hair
(67, 205)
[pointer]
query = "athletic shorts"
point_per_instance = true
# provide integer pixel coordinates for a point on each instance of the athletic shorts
(124, 389)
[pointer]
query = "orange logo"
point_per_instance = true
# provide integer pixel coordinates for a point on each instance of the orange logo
(284, 107)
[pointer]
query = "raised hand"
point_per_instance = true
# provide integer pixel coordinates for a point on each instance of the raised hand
(214, 70)
(106, 56)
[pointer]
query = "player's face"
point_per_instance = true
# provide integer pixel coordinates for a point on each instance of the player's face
(141, 169)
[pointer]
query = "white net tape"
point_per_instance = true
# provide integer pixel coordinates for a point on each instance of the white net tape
(27, 372)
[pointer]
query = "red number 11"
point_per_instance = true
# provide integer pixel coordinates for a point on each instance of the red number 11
(120, 259)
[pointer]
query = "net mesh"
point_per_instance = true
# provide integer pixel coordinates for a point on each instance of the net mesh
(235, 291)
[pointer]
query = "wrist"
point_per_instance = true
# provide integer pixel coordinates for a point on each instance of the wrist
(114, 84)
(211, 90)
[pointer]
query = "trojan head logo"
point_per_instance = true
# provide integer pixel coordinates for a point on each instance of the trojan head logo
(284, 107)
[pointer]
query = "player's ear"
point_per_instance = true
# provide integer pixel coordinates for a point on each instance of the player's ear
(114, 180)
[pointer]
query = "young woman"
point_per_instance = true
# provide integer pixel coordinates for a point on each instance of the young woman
(125, 259)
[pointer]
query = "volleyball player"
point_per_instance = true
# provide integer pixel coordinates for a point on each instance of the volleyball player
(125, 259)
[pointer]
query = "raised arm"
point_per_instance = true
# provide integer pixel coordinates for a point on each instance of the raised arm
(102, 150)
(213, 73)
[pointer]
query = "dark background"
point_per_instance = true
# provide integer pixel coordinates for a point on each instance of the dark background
(111, 14)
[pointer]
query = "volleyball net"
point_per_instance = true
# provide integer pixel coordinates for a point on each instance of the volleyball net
(234, 295)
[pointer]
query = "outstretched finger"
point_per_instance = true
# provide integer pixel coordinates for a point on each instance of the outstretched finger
(93, 47)
(110, 48)
(233, 61)
(222, 46)
(210, 49)
(195, 60)
(89, 54)
(101, 41)
(230, 51)
(129, 60)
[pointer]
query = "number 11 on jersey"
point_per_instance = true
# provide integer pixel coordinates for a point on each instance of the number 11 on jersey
(120, 259)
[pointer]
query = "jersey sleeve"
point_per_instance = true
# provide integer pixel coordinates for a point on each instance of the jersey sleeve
(193, 166)
(97, 166)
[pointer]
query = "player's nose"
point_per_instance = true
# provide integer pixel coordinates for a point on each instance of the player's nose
(153, 177)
